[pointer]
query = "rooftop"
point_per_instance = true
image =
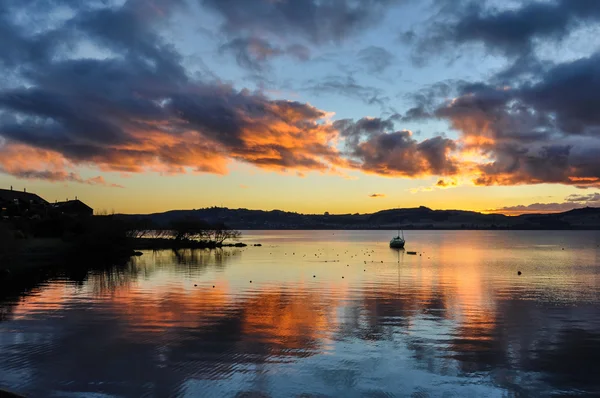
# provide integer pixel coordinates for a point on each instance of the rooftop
(9, 195)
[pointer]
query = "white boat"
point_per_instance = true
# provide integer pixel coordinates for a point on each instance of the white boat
(398, 241)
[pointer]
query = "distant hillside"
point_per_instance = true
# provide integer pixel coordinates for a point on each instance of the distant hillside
(412, 218)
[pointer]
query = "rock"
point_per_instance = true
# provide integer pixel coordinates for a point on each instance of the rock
(257, 245)
(137, 254)
(240, 244)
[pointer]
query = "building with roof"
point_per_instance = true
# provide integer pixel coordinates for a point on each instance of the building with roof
(74, 208)
(25, 204)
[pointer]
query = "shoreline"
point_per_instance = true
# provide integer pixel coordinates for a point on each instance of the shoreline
(40, 253)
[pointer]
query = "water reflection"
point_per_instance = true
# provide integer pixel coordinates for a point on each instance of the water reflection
(190, 323)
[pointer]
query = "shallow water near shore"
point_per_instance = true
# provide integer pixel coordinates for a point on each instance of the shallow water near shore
(319, 313)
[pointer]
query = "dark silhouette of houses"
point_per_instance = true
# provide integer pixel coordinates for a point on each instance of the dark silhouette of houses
(21, 204)
(24, 204)
(74, 208)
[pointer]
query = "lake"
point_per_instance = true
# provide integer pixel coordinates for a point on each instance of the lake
(318, 314)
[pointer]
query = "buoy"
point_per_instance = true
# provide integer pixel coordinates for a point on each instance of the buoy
(213, 286)
(314, 276)
(250, 281)
(195, 285)
(519, 273)
(342, 277)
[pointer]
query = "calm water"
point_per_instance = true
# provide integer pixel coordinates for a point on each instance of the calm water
(327, 313)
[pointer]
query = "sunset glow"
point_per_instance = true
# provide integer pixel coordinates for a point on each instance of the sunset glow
(182, 102)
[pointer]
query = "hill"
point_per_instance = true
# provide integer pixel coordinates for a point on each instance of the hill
(410, 218)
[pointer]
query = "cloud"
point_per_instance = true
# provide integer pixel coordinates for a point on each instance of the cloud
(374, 147)
(544, 130)
(254, 53)
(375, 59)
(446, 183)
(348, 87)
(132, 106)
(511, 31)
(571, 202)
(377, 195)
(316, 21)
(535, 208)
(585, 199)
(137, 110)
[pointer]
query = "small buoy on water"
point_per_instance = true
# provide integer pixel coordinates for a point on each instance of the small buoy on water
(213, 286)
(342, 277)
(314, 276)
(195, 285)
(519, 273)
(250, 281)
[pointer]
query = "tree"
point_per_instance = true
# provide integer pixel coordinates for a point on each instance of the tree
(193, 229)
(220, 233)
(189, 229)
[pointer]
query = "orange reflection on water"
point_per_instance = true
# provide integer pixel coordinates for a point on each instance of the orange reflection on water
(289, 319)
(46, 298)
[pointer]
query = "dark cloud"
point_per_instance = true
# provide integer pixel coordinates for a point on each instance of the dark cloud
(317, 21)
(571, 202)
(536, 208)
(513, 31)
(586, 199)
(137, 109)
(445, 183)
(375, 59)
(545, 130)
(376, 148)
(134, 107)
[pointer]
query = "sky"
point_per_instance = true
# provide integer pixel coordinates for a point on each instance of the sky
(340, 106)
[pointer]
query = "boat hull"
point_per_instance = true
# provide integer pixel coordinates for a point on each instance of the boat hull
(397, 245)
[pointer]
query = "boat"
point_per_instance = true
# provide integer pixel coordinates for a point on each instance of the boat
(398, 241)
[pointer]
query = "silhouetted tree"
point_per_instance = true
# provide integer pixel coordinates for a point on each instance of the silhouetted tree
(189, 229)
(220, 233)
(192, 229)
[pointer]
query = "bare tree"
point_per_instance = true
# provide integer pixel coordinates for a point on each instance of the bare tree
(220, 233)
(191, 229)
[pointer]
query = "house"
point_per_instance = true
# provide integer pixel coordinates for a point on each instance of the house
(25, 204)
(75, 208)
